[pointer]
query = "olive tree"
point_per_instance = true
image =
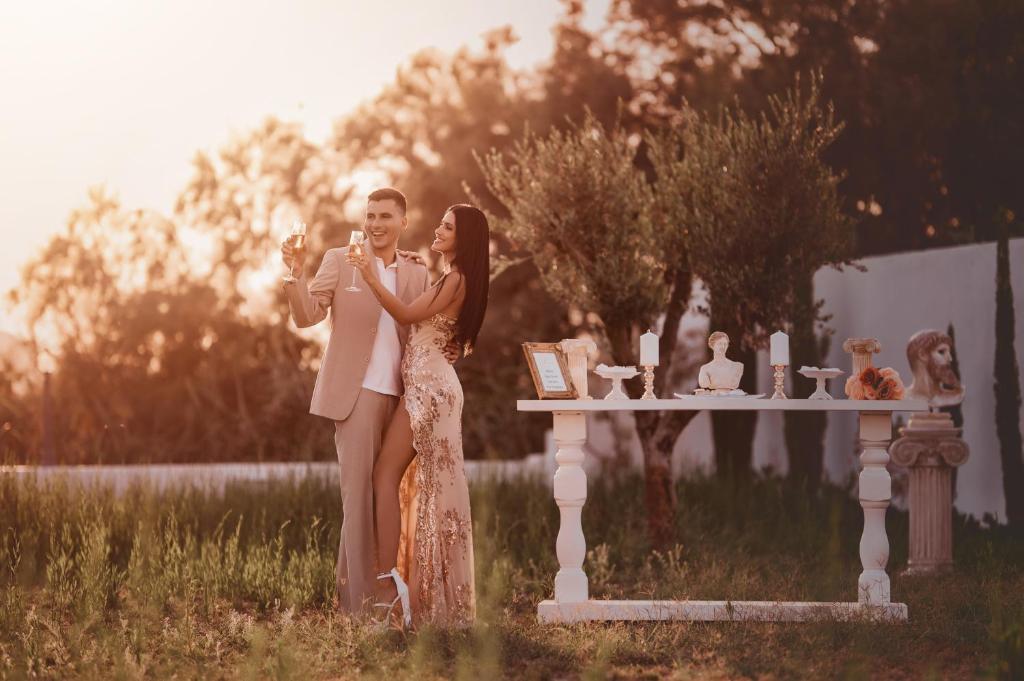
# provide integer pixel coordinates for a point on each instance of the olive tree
(761, 212)
(746, 203)
(577, 201)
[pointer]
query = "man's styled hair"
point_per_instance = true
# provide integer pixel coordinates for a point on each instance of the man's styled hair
(385, 193)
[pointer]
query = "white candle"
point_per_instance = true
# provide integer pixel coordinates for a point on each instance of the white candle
(649, 349)
(780, 349)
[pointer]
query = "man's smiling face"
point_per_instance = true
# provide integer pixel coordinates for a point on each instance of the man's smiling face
(384, 224)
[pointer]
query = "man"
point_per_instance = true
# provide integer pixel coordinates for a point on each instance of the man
(359, 381)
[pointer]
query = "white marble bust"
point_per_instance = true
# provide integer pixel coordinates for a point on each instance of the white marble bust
(931, 362)
(721, 374)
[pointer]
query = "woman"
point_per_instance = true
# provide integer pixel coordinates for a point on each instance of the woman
(432, 521)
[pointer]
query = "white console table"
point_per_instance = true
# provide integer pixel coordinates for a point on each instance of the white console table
(572, 602)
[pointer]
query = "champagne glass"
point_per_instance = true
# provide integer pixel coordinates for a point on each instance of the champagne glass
(355, 245)
(297, 240)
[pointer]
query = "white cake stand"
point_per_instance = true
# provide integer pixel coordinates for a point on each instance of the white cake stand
(821, 375)
(617, 375)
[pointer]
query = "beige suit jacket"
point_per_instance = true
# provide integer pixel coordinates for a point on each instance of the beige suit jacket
(354, 319)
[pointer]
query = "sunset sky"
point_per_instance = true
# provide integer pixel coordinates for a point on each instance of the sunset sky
(123, 92)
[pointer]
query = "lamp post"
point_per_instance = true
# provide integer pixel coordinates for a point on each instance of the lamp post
(48, 454)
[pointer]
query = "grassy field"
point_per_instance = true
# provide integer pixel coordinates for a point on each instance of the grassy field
(184, 585)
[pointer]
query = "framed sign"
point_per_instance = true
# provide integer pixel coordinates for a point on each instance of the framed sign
(549, 370)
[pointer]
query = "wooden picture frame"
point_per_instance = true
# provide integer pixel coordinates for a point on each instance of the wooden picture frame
(550, 371)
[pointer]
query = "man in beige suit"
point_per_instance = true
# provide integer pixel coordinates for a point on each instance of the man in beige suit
(359, 381)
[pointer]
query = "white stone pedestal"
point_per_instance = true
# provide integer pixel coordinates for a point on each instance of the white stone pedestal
(930, 447)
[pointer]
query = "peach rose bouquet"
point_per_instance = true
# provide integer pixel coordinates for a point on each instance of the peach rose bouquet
(875, 384)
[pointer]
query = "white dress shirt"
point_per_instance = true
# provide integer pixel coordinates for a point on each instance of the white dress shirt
(383, 372)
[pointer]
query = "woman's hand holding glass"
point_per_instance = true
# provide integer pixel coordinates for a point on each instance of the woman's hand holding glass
(360, 259)
(356, 242)
(363, 262)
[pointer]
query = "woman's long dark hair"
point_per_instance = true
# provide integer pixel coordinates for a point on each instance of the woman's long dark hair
(473, 258)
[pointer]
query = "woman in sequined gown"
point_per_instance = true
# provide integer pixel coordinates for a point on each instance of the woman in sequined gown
(421, 499)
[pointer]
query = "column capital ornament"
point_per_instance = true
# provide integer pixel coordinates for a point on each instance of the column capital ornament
(862, 345)
(930, 440)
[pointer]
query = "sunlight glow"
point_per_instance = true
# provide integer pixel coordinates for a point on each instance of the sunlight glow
(123, 94)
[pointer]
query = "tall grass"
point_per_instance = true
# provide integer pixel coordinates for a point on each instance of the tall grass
(184, 583)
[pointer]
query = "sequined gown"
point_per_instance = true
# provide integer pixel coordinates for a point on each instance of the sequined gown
(435, 554)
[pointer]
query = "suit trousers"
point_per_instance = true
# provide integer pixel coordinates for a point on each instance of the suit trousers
(358, 439)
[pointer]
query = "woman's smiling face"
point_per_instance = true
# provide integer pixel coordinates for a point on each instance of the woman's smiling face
(444, 235)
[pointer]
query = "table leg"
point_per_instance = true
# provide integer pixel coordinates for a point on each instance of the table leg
(875, 492)
(570, 489)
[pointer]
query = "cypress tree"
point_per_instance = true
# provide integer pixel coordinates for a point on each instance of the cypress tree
(956, 412)
(1007, 387)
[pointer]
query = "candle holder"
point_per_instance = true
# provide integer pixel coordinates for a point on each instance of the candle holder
(780, 382)
(648, 383)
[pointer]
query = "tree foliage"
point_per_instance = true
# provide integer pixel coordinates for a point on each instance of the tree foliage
(238, 204)
(148, 311)
(761, 213)
(760, 207)
(145, 311)
(931, 94)
(422, 129)
(745, 203)
(577, 202)
(156, 363)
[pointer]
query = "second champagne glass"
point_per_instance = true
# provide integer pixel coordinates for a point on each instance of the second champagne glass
(355, 243)
(297, 240)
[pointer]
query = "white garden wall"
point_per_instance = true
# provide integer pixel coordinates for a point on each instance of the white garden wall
(897, 296)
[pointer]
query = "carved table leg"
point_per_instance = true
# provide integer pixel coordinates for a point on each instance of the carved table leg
(875, 491)
(570, 489)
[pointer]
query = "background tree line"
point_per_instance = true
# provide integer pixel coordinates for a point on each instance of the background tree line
(169, 330)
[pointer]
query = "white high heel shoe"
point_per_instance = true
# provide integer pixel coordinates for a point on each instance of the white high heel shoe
(402, 597)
